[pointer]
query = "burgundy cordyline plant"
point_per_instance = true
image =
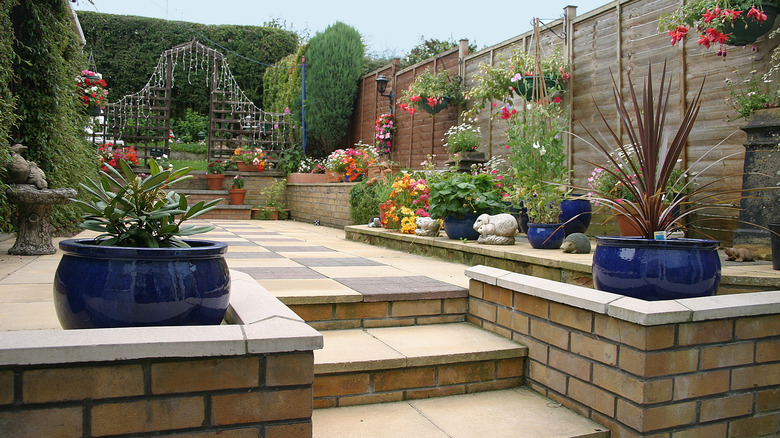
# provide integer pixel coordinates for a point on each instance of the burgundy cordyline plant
(656, 148)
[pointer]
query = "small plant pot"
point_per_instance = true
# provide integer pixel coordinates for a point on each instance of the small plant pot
(215, 181)
(237, 196)
(546, 236)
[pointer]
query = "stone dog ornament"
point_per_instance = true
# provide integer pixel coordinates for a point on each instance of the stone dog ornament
(499, 229)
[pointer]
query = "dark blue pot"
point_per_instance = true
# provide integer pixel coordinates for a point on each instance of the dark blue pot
(656, 269)
(575, 215)
(109, 286)
(545, 236)
(461, 228)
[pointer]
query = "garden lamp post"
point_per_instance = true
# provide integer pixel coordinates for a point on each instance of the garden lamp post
(381, 86)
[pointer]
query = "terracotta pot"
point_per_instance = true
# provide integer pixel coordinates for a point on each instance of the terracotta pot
(237, 196)
(243, 167)
(334, 176)
(294, 178)
(215, 181)
(626, 227)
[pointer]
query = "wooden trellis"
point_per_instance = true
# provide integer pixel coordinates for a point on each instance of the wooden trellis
(142, 119)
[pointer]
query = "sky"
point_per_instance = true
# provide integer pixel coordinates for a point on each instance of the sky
(389, 28)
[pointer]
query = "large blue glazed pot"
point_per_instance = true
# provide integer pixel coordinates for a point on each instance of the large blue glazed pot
(109, 286)
(461, 228)
(656, 269)
(575, 215)
(545, 236)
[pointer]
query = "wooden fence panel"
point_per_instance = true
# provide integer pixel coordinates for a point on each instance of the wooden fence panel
(622, 37)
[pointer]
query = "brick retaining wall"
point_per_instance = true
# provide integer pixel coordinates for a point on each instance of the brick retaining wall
(251, 378)
(695, 367)
(326, 202)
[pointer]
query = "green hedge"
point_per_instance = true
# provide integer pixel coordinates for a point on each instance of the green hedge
(126, 50)
(7, 104)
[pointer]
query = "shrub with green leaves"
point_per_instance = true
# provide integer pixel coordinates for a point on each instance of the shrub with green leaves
(138, 211)
(336, 60)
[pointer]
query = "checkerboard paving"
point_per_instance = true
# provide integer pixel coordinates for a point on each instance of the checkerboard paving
(276, 260)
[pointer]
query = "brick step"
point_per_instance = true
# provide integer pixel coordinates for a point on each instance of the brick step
(388, 364)
(518, 412)
(337, 315)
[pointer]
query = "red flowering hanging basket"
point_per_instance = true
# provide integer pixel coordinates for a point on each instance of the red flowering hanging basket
(746, 31)
(440, 104)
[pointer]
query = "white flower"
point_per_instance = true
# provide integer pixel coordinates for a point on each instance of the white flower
(537, 145)
(542, 151)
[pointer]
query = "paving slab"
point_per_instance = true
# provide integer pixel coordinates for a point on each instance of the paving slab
(310, 291)
(355, 350)
(515, 413)
(402, 288)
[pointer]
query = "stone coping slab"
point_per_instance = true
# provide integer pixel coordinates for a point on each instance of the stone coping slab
(647, 313)
(258, 323)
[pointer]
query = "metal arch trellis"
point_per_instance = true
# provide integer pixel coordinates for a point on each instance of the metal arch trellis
(142, 119)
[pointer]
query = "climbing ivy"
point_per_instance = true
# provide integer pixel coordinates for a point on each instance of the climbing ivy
(50, 121)
(7, 104)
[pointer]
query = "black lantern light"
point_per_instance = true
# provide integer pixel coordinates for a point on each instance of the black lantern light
(381, 87)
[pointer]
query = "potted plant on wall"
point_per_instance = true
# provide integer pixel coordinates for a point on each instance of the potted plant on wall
(538, 160)
(274, 208)
(730, 22)
(139, 271)
(351, 164)
(237, 191)
(432, 92)
(459, 198)
(653, 266)
(215, 175)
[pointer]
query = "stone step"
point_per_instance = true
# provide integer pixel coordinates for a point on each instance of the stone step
(377, 365)
(516, 413)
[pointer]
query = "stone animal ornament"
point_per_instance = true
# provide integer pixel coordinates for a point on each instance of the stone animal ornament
(738, 254)
(499, 229)
(21, 171)
(576, 243)
(375, 222)
(427, 227)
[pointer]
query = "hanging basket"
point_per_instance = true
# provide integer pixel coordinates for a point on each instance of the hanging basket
(746, 31)
(525, 87)
(443, 102)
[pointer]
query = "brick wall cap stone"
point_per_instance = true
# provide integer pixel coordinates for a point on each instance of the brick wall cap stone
(272, 328)
(732, 306)
(649, 312)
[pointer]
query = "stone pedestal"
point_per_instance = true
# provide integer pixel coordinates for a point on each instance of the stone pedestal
(761, 169)
(34, 231)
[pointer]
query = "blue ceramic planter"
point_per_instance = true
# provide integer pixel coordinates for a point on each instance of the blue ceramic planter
(545, 236)
(656, 269)
(109, 286)
(575, 215)
(457, 229)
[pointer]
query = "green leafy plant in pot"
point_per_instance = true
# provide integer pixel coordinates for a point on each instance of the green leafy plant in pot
(653, 266)
(139, 270)
(459, 198)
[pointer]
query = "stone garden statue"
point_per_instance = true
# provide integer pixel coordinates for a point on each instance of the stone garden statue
(427, 227)
(27, 188)
(499, 229)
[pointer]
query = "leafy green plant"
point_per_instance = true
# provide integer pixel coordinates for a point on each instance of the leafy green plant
(461, 138)
(538, 160)
(462, 193)
(188, 128)
(757, 91)
(274, 194)
(138, 211)
(290, 160)
(364, 200)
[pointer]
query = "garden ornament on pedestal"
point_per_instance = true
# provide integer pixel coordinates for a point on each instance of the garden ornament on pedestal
(499, 229)
(138, 271)
(28, 190)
